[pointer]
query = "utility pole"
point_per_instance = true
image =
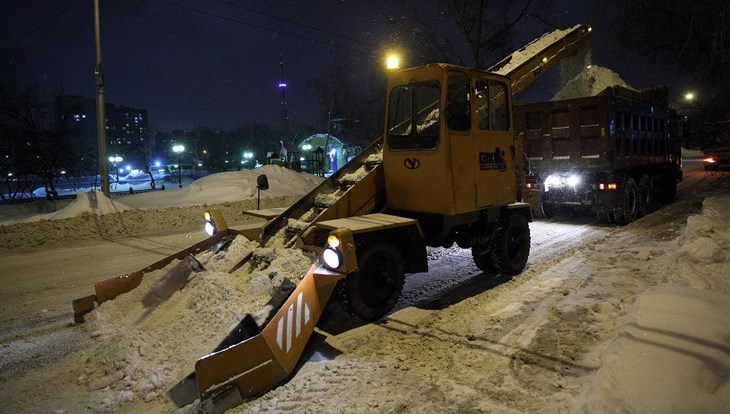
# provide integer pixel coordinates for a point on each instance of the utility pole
(100, 115)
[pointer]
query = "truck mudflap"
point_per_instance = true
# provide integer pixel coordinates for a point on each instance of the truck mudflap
(252, 362)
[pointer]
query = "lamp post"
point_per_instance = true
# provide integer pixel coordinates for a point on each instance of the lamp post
(115, 160)
(179, 149)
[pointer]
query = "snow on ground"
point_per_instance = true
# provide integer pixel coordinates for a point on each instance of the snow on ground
(633, 321)
(92, 215)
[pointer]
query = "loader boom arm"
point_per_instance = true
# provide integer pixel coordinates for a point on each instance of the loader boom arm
(526, 64)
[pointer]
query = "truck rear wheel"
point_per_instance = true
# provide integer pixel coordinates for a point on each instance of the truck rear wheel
(372, 291)
(645, 196)
(628, 203)
(512, 244)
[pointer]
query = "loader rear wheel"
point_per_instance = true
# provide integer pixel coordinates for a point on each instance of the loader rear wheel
(372, 291)
(482, 251)
(512, 244)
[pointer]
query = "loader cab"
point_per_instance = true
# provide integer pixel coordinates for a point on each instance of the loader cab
(449, 146)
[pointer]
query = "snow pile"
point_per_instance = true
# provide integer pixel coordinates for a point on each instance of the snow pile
(672, 354)
(590, 82)
(155, 212)
(147, 340)
(216, 188)
(228, 187)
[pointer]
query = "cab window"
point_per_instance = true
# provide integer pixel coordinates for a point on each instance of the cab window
(492, 104)
(458, 109)
(413, 117)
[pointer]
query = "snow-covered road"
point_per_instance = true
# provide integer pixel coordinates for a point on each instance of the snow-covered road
(458, 341)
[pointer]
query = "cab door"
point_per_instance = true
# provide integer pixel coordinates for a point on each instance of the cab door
(494, 144)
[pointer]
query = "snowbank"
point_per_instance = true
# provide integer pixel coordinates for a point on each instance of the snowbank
(93, 216)
(672, 355)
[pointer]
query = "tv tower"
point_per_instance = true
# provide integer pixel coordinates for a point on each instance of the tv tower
(282, 87)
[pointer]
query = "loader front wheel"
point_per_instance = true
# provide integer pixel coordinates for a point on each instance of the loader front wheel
(372, 291)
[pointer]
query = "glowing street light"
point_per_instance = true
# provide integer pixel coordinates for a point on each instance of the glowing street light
(689, 96)
(116, 160)
(392, 61)
(179, 149)
(247, 156)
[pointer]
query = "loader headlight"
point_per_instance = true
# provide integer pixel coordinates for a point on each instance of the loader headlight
(209, 224)
(333, 241)
(332, 258)
(210, 228)
(214, 222)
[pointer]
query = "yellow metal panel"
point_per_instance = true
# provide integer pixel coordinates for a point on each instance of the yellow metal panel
(267, 213)
(368, 222)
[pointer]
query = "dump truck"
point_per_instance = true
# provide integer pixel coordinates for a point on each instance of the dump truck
(617, 153)
(448, 169)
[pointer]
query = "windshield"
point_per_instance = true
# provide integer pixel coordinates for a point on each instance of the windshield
(413, 118)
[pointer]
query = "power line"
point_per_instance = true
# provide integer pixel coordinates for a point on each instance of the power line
(47, 21)
(296, 23)
(232, 20)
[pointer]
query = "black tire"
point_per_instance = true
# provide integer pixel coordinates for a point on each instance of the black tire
(482, 251)
(671, 193)
(645, 197)
(628, 207)
(603, 217)
(511, 244)
(547, 210)
(372, 291)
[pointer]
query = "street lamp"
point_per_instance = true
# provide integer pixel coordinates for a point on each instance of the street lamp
(689, 96)
(115, 160)
(392, 61)
(179, 149)
(247, 156)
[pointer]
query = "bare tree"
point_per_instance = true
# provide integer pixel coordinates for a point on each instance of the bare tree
(689, 39)
(472, 33)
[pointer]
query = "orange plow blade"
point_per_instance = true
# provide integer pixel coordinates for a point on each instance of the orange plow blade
(255, 363)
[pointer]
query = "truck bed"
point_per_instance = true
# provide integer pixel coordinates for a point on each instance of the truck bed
(615, 130)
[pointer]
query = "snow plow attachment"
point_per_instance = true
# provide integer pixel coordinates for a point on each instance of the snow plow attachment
(254, 362)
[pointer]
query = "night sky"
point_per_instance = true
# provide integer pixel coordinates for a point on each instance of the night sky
(189, 68)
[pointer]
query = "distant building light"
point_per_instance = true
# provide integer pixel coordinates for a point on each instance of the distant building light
(10, 174)
(282, 85)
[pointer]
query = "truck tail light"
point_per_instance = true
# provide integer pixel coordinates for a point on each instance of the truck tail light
(607, 186)
(709, 160)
